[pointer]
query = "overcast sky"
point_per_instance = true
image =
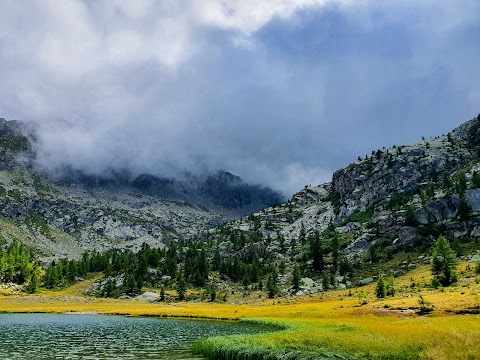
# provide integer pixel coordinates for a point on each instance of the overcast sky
(280, 92)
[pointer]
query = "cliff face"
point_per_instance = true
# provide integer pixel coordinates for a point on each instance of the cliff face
(64, 214)
(405, 195)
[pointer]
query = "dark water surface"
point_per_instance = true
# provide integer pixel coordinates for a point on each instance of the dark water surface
(51, 336)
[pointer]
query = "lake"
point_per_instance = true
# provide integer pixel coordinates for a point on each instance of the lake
(53, 336)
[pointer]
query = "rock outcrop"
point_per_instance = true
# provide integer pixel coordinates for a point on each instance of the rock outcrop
(63, 214)
(402, 197)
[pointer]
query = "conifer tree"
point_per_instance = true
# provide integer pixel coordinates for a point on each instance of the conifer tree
(32, 286)
(335, 249)
(381, 288)
(181, 287)
(463, 207)
(302, 237)
(162, 293)
(296, 277)
(317, 252)
(444, 262)
(272, 287)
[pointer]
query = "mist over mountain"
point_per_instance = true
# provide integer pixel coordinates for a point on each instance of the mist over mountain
(220, 190)
(282, 97)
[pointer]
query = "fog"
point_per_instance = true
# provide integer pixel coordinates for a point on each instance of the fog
(278, 92)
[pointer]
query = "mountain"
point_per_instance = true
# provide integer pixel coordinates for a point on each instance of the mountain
(398, 198)
(64, 213)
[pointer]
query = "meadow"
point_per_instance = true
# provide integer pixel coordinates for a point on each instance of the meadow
(351, 323)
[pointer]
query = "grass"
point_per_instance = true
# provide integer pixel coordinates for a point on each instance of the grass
(321, 326)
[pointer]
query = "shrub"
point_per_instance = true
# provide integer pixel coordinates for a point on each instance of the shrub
(360, 216)
(477, 268)
(391, 287)
(423, 305)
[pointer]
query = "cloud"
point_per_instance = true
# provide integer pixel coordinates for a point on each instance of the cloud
(279, 92)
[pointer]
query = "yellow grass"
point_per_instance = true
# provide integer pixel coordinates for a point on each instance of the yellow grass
(333, 321)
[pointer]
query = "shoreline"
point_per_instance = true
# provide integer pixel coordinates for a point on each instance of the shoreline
(351, 323)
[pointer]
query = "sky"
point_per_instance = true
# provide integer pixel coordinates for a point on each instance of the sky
(279, 92)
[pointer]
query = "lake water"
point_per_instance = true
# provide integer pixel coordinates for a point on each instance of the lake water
(51, 336)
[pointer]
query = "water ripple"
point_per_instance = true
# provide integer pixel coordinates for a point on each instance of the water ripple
(51, 336)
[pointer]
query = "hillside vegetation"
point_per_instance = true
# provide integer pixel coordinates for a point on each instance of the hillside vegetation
(382, 262)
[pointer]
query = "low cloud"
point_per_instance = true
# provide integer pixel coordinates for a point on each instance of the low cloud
(278, 92)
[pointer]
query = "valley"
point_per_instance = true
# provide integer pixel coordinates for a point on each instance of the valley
(382, 262)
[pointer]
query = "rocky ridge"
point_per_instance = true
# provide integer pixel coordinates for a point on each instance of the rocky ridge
(402, 197)
(65, 214)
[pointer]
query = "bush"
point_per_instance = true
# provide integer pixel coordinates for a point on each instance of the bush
(400, 199)
(391, 287)
(435, 283)
(361, 216)
(477, 268)
(410, 219)
(423, 305)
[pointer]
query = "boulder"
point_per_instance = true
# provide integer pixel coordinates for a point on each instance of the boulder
(476, 231)
(307, 283)
(348, 228)
(473, 198)
(456, 230)
(147, 297)
(366, 281)
(407, 236)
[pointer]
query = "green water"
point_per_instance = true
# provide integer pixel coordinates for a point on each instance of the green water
(50, 336)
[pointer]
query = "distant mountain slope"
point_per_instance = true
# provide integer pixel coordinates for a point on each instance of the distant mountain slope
(65, 213)
(399, 197)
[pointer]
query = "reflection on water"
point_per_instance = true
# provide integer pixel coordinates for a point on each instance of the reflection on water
(50, 336)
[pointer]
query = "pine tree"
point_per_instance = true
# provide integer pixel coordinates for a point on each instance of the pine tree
(201, 269)
(302, 238)
(296, 277)
(293, 245)
(246, 280)
(254, 270)
(162, 293)
(272, 287)
(110, 287)
(32, 286)
(181, 287)
(410, 219)
(447, 183)
(463, 208)
(217, 260)
(213, 292)
(130, 284)
(281, 243)
(461, 185)
(316, 252)
(325, 281)
(475, 180)
(335, 248)
(381, 288)
(444, 262)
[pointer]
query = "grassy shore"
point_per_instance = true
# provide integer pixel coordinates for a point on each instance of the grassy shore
(349, 323)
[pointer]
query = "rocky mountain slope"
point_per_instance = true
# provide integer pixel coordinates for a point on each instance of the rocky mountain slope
(405, 196)
(65, 213)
